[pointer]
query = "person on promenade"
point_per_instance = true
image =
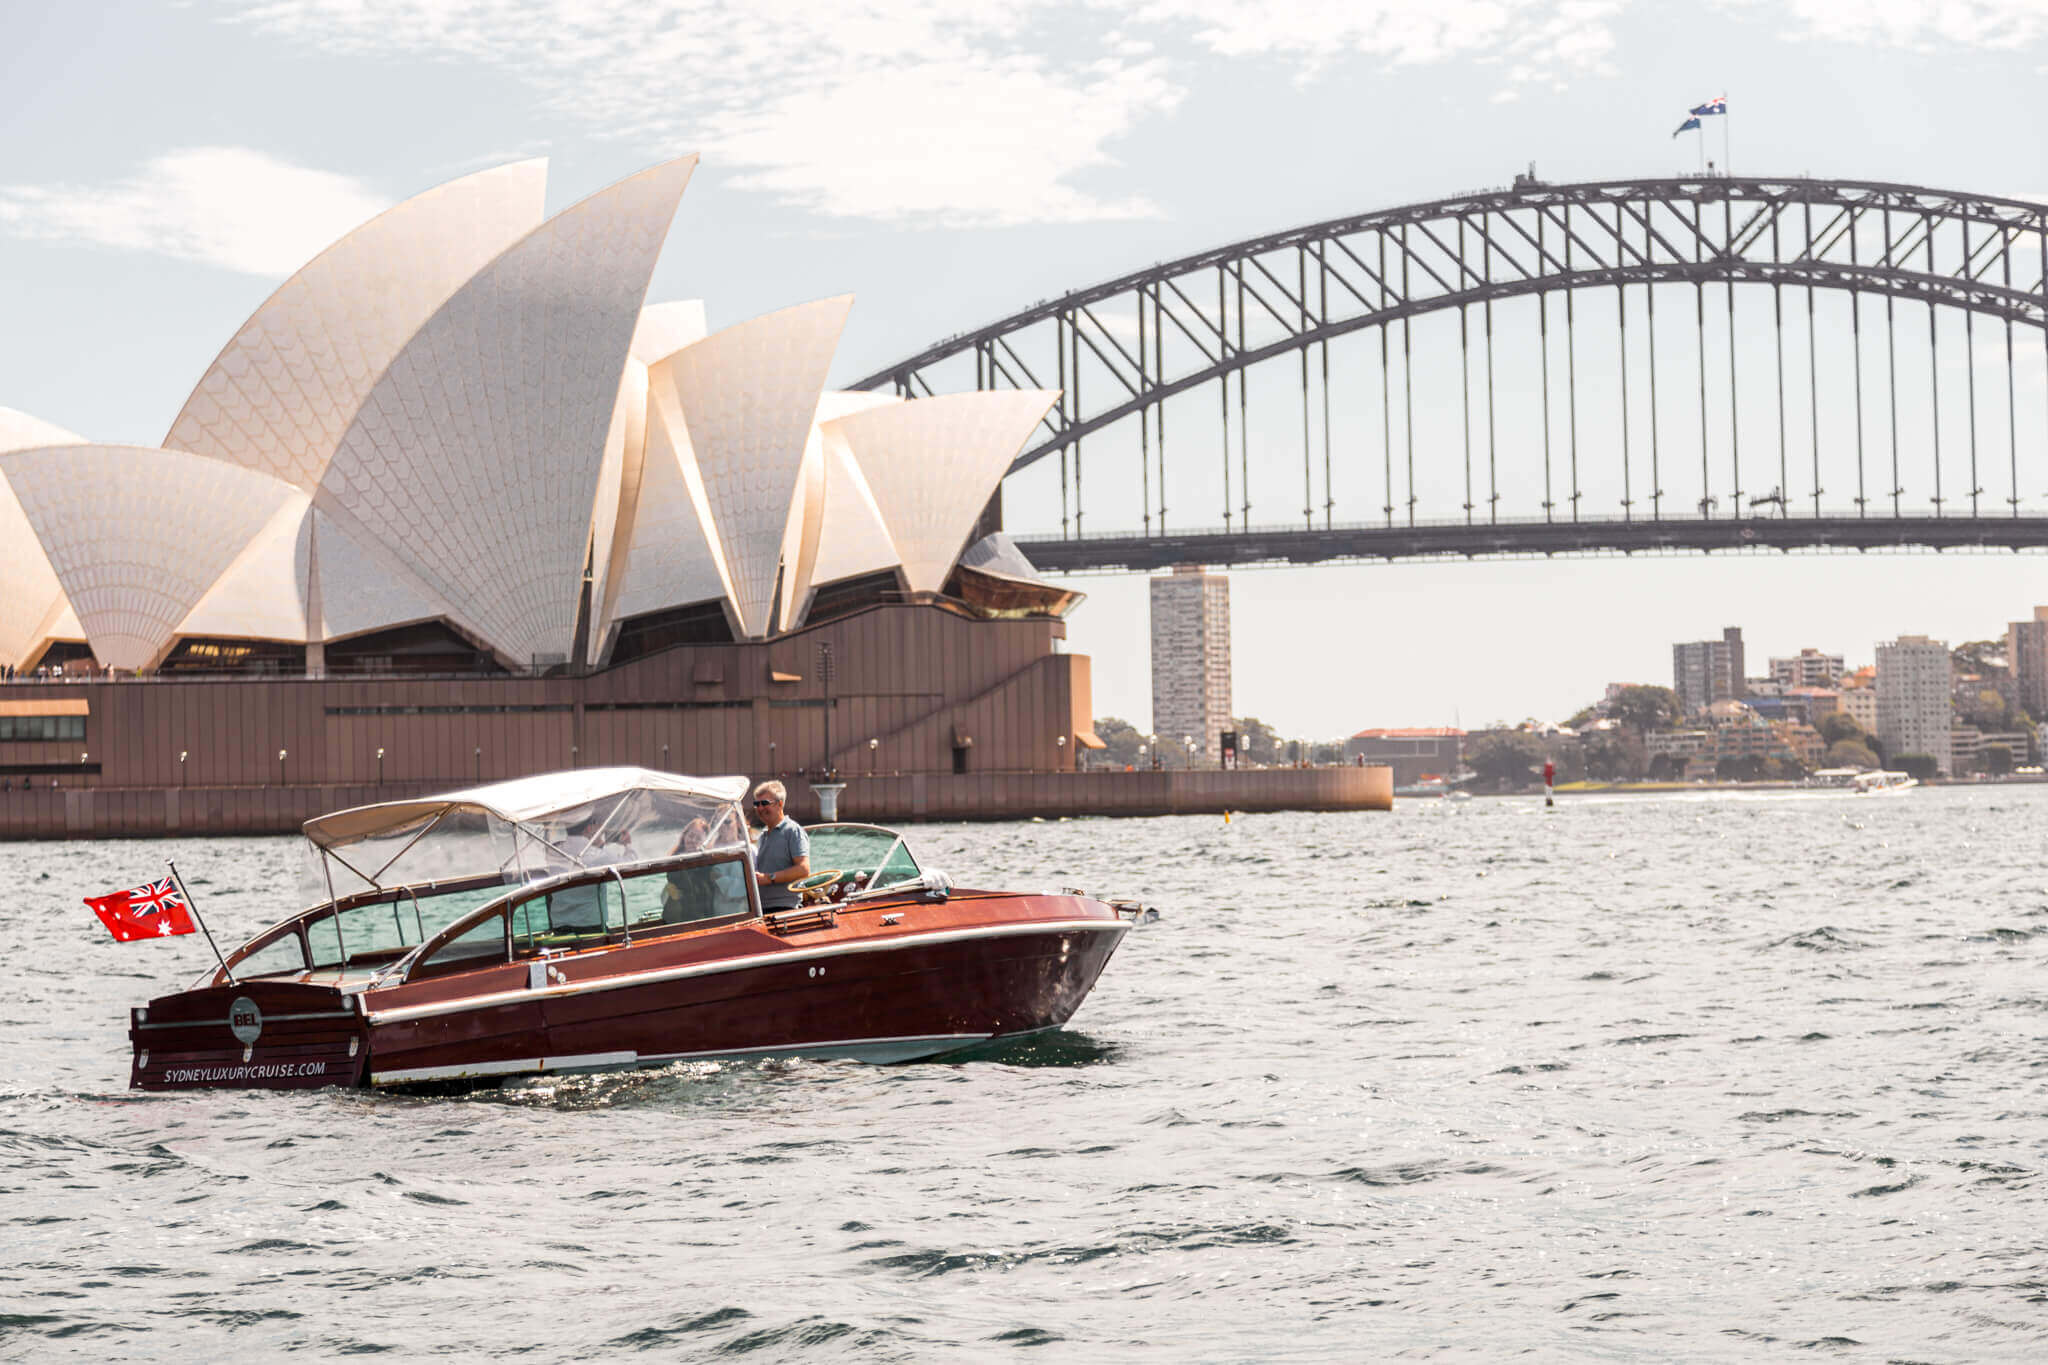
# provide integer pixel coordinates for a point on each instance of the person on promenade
(784, 853)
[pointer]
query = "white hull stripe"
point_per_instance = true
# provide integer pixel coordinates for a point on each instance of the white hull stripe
(268, 1019)
(874, 1049)
(739, 964)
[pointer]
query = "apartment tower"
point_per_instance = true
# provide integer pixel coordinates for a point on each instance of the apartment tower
(1709, 670)
(1191, 658)
(1913, 707)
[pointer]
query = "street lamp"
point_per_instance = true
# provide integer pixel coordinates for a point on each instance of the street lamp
(873, 745)
(181, 766)
(1141, 756)
(1061, 742)
(1187, 751)
(771, 756)
(664, 758)
(280, 766)
(479, 762)
(380, 767)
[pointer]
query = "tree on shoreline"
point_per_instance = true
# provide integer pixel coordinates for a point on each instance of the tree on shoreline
(1646, 709)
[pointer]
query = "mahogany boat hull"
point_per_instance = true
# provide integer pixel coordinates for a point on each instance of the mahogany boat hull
(269, 1035)
(939, 977)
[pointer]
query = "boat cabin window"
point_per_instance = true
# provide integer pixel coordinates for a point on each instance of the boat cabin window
(480, 945)
(284, 955)
(570, 917)
(387, 928)
(636, 903)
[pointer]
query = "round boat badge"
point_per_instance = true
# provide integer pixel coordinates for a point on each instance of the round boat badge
(245, 1021)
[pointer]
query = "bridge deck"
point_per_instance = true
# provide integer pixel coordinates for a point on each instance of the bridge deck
(1277, 545)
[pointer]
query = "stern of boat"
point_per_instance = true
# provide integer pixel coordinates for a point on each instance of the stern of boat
(252, 1035)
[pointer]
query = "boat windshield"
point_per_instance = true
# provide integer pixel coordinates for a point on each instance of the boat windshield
(870, 856)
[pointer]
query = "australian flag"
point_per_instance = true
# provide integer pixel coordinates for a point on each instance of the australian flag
(152, 910)
(1690, 125)
(1716, 105)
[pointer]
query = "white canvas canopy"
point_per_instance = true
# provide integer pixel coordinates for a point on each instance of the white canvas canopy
(520, 801)
(511, 832)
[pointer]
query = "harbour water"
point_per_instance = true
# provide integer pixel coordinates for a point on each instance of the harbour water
(1690, 1077)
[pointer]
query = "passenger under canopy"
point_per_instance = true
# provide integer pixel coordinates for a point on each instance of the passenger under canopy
(382, 879)
(516, 831)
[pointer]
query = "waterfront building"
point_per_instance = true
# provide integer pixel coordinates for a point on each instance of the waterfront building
(1413, 753)
(1967, 745)
(2026, 655)
(1708, 671)
(1678, 743)
(1913, 706)
(1807, 668)
(1191, 658)
(458, 503)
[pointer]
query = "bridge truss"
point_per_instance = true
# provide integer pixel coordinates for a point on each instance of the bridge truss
(1607, 253)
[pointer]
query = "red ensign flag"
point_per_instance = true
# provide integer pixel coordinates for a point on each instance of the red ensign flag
(153, 910)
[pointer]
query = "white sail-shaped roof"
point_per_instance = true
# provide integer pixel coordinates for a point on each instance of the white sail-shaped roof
(854, 540)
(933, 464)
(802, 538)
(137, 536)
(30, 596)
(672, 554)
(358, 590)
(263, 594)
(663, 329)
(476, 458)
(666, 328)
(747, 396)
(283, 392)
(302, 579)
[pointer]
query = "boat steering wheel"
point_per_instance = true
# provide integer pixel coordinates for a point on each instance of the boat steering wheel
(813, 886)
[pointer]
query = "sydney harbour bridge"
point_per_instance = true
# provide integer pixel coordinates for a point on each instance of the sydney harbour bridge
(1699, 363)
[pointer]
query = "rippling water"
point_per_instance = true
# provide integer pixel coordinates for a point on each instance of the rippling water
(1698, 1077)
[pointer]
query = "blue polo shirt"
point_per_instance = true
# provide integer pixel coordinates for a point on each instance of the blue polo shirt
(780, 847)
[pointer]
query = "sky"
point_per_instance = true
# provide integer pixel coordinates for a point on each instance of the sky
(164, 166)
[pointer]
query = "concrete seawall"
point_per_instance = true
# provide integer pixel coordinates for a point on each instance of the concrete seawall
(154, 812)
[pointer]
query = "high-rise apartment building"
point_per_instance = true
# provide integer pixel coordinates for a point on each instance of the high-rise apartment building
(1709, 670)
(1807, 668)
(1914, 712)
(2026, 653)
(1191, 657)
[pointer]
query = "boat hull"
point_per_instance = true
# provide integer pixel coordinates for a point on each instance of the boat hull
(938, 977)
(272, 1035)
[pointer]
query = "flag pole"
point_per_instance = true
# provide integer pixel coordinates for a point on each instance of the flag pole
(193, 906)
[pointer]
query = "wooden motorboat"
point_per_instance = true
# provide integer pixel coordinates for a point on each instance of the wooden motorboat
(603, 919)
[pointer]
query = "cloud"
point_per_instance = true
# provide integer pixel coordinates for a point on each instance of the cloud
(907, 110)
(1539, 40)
(918, 111)
(225, 206)
(1995, 24)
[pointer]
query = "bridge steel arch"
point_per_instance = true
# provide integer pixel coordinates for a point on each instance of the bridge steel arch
(1155, 333)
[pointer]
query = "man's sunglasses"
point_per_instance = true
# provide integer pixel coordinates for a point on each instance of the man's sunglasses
(765, 801)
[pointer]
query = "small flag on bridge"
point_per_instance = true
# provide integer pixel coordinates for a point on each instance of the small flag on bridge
(1690, 125)
(152, 910)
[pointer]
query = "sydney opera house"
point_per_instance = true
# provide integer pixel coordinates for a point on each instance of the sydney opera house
(458, 502)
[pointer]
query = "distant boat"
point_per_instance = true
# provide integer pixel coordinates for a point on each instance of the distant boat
(1428, 786)
(1863, 782)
